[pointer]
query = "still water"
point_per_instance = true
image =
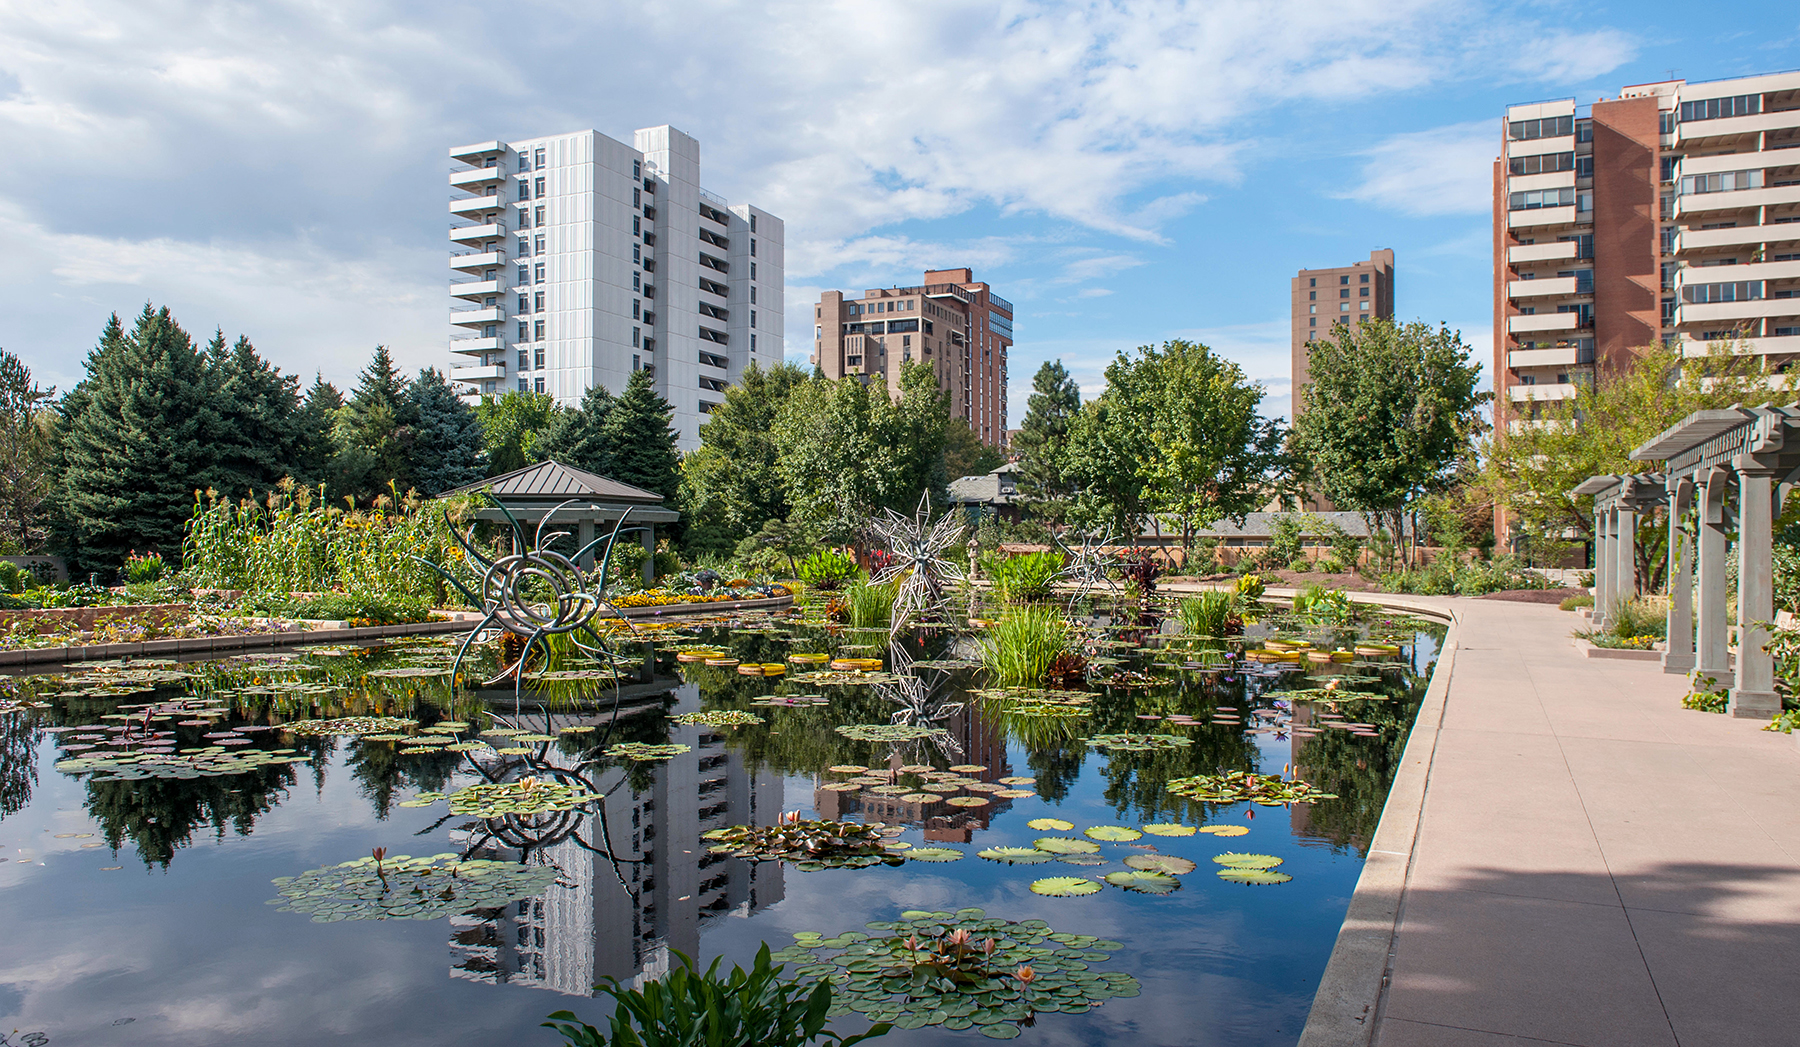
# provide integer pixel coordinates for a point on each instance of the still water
(139, 908)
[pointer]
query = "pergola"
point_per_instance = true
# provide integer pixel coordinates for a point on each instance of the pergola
(1618, 501)
(1724, 466)
(582, 502)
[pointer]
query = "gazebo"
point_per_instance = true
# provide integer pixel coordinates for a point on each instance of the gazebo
(592, 501)
(1725, 466)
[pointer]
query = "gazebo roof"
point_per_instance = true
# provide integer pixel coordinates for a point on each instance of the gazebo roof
(553, 482)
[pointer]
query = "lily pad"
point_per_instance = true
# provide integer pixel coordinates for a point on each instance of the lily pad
(1065, 845)
(1225, 830)
(1170, 829)
(641, 752)
(1162, 863)
(934, 854)
(1111, 833)
(1016, 855)
(1253, 876)
(526, 796)
(968, 801)
(1052, 824)
(1143, 882)
(1238, 860)
(403, 887)
(1064, 886)
(886, 732)
(719, 718)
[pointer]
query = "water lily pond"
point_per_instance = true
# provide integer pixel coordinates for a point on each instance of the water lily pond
(345, 844)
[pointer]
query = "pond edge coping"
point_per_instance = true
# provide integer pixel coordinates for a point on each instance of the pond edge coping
(324, 633)
(1354, 984)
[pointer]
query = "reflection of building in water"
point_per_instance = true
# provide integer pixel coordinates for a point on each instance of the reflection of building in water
(573, 936)
(981, 742)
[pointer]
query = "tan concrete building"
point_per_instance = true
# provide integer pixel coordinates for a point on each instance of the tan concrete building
(1349, 294)
(1669, 213)
(951, 321)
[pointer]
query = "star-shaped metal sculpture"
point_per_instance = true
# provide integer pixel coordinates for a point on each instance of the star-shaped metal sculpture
(919, 561)
(1088, 567)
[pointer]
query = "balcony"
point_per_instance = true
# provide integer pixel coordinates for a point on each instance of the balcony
(477, 235)
(1728, 312)
(1522, 425)
(1545, 391)
(1771, 346)
(1561, 249)
(477, 373)
(1555, 286)
(475, 292)
(1735, 200)
(477, 262)
(1541, 216)
(1568, 357)
(479, 153)
(472, 206)
(1534, 146)
(649, 318)
(1718, 274)
(474, 346)
(475, 317)
(1547, 180)
(481, 180)
(1696, 130)
(1689, 240)
(1543, 322)
(1719, 163)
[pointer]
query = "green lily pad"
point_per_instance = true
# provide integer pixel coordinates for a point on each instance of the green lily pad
(934, 854)
(1162, 863)
(1143, 882)
(1016, 855)
(1111, 833)
(1247, 861)
(1064, 886)
(1065, 845)
(1253, 876)
(1170, 829)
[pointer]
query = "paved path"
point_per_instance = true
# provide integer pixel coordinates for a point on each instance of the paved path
(1594, 865)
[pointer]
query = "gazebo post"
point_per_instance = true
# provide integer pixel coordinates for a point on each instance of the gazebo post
(1711, 657)
(1754, 695)
(1678, 657)
(648, 537)
(584, 537)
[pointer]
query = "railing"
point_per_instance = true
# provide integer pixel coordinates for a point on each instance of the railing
(999, 302)
(706, 194)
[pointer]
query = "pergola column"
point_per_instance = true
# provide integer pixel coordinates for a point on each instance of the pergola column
(1711, 655)
(1754, 692)
(1625, 548)
(1603, 567)
(1678, 655)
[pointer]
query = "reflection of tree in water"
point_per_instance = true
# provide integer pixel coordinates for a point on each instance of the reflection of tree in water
(380, 769)
(1358, 770)
(18, 761)
(160, 815)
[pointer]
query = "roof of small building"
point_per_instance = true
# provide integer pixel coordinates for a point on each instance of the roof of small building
(555, 482)
(1000, 487)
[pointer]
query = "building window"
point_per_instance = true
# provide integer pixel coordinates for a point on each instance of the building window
(524, 247)
(1542, 163)
(637, 169)
(538, 303)
(524, 218)
(634, 337)
(753, 343)
(637, 252)
(540, 272)
(1312, 322)
(1540, 198)
(524, 385)
(524, 189)
(752, 270)
(524, 162)
(1343, 279)
(1343, 307)
(538, 159)
(1345, 293)
(524, 304)
(539, 188)
(1548, 127)
(537, 357)
(540, 216)
(753, 223)
(1312, 296)
(635, 304)
(636, 226)
(524, 360)
(1314, 283)
(1731, 291)
(752, 318)
(753, 247)
(1719, 108)
(1722, 182)
(524, 333)
(524, 275)
(753, 296)
(537, 330)
(1364, 306)
(637, 281)
(537, 385)
(537, 244)
(1365, 292)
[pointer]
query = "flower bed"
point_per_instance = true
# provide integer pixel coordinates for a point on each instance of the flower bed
(668, 597)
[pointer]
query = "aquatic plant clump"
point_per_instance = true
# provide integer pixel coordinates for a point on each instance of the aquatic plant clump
(642, 752)
(960, 970)
(200, 763)
(719, 718)
(1269, 790)
(406, 888)
(351, 725)
(810, 845)
(886, 732)
(527, 796)
(1138, 743)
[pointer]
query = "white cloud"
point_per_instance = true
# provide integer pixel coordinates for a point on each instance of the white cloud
(1093, 292)
(1446, 170)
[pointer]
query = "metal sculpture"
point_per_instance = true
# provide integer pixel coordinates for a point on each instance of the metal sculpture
(571, 604)
(919, 704)
(918, 548)
(1088, 567)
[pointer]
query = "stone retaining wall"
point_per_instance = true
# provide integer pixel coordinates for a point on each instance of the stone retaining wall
(85, 618)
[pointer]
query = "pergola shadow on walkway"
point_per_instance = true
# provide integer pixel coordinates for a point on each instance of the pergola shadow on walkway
(1570, 857)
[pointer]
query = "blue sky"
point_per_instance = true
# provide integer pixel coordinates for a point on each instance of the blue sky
(1123, 172)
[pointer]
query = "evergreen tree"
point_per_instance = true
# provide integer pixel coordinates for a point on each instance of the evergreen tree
(1042, 443)
(578, 437)
(642, 440)
(511, 426)
(446, 447)
(310, 461)
(965, 454)
(257, 411)
(135, 443)
(373, 433)
(27, 443)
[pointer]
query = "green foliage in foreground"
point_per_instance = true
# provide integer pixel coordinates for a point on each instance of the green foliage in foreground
(1020, 648)
(1027, 577)
(827, 569)
(871, 606)
(695, 1008)
(1206, 613)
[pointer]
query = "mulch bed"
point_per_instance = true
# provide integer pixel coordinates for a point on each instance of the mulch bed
(1534, 595)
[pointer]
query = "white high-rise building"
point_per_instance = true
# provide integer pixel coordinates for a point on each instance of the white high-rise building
(584, 259)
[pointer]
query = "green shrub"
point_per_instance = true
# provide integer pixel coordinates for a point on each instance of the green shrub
(1639, 617)
(695, 1008)
(1028, 577)
(1300, 565)
(1206, 613)
(1286, 533)
(870, 606)
(1584, 600)
(399, 610)
(1244, 565)
(16, 579)
(1346, 548)
(1329, 565)
(1250, 587)
(1019, 649)
(827, 570)
(146, 568)
(1322, 604)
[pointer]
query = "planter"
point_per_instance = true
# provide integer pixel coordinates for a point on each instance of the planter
(1621, 654)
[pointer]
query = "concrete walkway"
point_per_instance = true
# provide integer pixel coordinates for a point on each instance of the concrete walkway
(1594, 865)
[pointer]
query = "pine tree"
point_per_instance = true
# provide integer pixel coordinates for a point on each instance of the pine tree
(257, 410)
(446, 447)
(311, 458)
(578, 437)
(135, 443)
(27, 442)
(373, 433)
(642, 440)
(1043, 438)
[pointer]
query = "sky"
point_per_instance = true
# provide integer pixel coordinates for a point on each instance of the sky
(1124, 173)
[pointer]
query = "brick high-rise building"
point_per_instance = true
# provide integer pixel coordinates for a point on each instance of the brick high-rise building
(585, 259)
(951, 321)
(1349, 294)
(1669, 213)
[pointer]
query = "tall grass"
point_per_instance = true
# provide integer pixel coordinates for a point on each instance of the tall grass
(1205, 614)
(1027, 577)
(1020, 648)
(1641, 617)
(871, 606)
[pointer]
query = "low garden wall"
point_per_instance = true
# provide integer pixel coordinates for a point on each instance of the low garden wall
(86, 618)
